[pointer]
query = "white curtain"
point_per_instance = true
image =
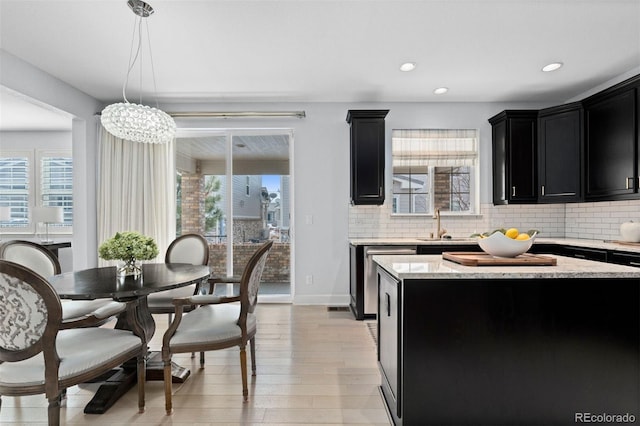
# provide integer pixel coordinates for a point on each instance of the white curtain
(136, 190)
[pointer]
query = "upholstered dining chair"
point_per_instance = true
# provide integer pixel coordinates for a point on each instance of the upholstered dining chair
(38, 356)
(75, 313)
(187, 248)
(217, 323)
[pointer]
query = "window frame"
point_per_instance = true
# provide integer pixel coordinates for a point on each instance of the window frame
(35, 190)
(474, 184)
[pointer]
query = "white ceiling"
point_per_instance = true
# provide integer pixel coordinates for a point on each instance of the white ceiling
(325, 50)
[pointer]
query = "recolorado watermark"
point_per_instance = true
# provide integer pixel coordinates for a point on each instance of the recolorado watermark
(604, 418)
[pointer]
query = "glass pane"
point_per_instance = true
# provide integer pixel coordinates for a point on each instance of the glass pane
(56, 184)
(410, 192)
(452, 188)
(261, 205)
(14, 190)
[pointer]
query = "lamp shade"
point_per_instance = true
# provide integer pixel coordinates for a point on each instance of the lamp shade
(48, 214)
(5, 214)
(138, 123)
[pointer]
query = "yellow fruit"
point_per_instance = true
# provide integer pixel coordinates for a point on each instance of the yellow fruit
(512, 233)
(522, 236)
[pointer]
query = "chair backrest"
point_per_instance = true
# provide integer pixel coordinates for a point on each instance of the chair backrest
(30, 310)
(188, 248)
(251, 276)
(32, 255)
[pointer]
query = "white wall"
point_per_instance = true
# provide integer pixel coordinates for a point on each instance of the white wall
(24, 78)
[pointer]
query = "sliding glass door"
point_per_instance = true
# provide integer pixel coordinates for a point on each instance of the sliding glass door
(234, 187)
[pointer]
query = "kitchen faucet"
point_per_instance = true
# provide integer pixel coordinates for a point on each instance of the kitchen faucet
(439, 232)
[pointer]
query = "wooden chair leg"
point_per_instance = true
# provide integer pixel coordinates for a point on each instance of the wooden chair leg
(243, 368)
(252, 347)
(167, 387)
(53, 411)
(141, 382)
(201, 359)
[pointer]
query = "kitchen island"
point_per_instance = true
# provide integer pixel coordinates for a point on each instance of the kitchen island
(508, 345)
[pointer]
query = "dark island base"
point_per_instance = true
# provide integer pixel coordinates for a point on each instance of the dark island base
(518, 352)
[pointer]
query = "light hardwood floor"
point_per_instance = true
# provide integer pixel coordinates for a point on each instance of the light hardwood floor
(315, 366)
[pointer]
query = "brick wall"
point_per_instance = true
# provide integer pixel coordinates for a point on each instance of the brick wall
(192, 203)
(277, 268)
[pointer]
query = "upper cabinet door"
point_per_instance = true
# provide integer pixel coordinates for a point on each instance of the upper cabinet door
(514, 156)
(560, 154)
(367, 155)
(611, 146)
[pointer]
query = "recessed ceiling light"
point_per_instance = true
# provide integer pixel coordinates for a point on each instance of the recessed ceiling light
(441, 90)
(408, 66)
(552, 66)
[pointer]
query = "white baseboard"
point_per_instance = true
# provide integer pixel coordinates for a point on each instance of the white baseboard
(322, 299)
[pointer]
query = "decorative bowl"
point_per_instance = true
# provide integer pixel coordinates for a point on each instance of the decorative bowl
(499, 245)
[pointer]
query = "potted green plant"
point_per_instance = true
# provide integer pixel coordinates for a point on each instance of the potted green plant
(129, 248)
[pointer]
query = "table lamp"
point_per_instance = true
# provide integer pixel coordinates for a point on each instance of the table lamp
(48, 215)
(5, 215)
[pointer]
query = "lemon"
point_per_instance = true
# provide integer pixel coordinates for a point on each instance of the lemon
(512, 233)
(522, 236)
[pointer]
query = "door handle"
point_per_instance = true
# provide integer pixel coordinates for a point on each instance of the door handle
(388, 303)
(542, 190)
(629, 183)
(513, 191)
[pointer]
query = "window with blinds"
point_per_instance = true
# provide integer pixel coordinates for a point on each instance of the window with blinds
(56, 184)
(15, 185)
(434, 169)
(35, 178)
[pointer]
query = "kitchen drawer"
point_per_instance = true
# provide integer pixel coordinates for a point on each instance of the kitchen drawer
(625, 258)
(586, 253)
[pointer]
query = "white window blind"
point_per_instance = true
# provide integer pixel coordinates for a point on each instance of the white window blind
(434, 147)
(15, 184)
(56, 183)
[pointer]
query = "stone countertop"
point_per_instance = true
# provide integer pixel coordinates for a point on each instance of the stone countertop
(435, 267)
(597, 244)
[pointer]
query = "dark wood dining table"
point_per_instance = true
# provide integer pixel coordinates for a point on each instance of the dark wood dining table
(97, 283)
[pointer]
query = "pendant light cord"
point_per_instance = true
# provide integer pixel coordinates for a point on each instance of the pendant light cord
(134, 57)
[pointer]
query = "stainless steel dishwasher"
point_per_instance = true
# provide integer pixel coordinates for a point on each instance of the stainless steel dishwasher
(370, 276)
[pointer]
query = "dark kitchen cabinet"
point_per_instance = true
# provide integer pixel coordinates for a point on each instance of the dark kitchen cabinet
(501, 352)
(389, 329)
(514, 134)
(611, 143)
(367, 155)
(560, 154)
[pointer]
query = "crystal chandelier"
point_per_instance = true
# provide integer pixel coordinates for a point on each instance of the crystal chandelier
(137, 122)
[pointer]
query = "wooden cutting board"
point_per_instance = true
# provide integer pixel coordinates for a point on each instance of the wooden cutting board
(485, 259)
(627, 243)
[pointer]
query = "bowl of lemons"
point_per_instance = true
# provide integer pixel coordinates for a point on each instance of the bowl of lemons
(506, 242)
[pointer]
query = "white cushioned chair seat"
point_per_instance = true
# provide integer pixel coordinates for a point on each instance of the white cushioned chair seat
(72, 309)
(80, 350)
(210, 324)
(165, 298)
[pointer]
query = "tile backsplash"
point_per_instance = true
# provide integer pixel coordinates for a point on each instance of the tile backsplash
(598, 221)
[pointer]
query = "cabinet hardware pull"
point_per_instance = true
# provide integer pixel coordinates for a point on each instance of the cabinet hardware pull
(388, 301)
(580, 256)
(629, 185)
(513, 191)
(634, 263)
(380, 192)
(542, 189)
